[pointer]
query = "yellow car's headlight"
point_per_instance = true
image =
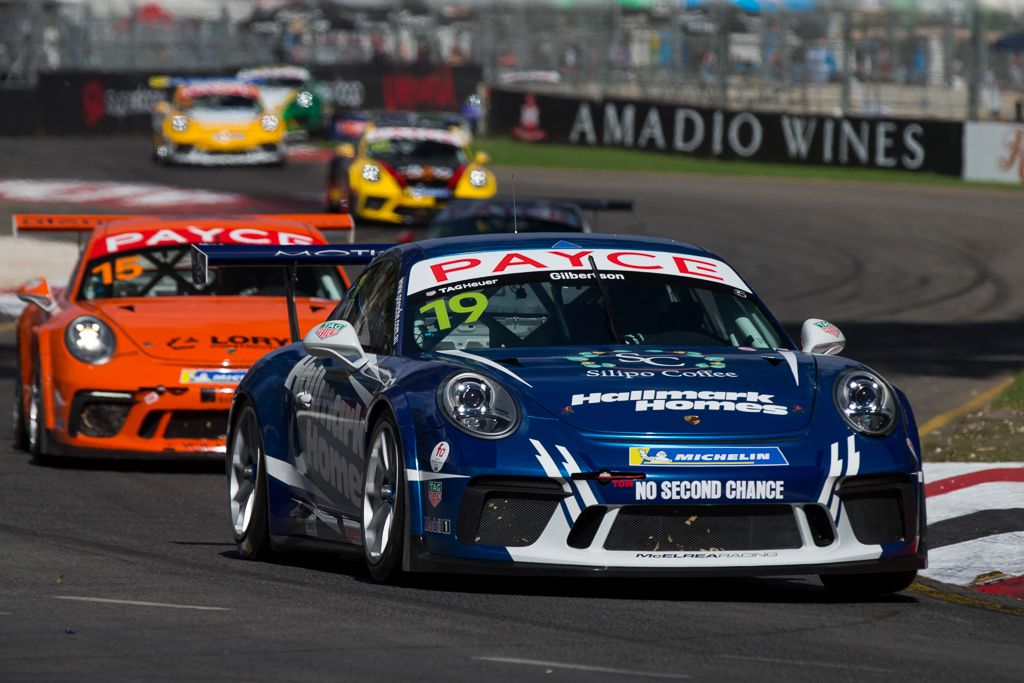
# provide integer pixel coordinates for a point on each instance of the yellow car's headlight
(370, 173)
(477, 178)
(179, 122)
(269, 123)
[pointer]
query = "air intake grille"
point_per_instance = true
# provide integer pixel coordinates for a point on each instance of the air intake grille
(514, 520)
(102, 419)
(876, 518)
(197, 424)
(704, 528)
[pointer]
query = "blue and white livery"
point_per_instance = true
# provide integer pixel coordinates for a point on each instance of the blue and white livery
(605, 405)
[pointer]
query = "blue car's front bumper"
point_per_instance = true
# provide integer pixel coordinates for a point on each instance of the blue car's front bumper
(822, 501)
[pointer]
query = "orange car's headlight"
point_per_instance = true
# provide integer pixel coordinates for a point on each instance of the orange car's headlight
(90, 340)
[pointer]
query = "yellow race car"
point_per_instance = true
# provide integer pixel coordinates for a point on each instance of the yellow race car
(216, 122)
(405, 175)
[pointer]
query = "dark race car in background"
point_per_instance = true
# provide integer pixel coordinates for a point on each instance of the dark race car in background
(466, 217)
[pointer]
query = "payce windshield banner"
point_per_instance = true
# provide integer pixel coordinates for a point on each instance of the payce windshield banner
(885, 143)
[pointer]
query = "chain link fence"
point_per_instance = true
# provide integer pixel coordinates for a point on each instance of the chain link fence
(37, 36)
(858, 57)
(828, 57)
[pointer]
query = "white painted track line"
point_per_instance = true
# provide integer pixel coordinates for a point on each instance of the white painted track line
(580, 667)
(137, 603)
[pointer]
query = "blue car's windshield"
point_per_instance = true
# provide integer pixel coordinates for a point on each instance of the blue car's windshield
(565, 308)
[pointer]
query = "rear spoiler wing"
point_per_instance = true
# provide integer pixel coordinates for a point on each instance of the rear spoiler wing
(161, 82)
(289, 259)
(603, 204)
(585, 204)
(21, 222)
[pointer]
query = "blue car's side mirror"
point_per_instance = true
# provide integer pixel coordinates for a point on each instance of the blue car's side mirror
(821, 336)
(336, 339)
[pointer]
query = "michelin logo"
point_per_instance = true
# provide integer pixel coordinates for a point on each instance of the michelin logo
(702, 456)
(650, 399)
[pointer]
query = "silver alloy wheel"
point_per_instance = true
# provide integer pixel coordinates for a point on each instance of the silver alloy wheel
(243, 476)
(34, 411)
(379, 495)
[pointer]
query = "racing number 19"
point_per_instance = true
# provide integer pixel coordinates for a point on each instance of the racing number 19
(473, 303)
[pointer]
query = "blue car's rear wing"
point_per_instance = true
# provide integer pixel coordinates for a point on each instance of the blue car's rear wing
(289, 259)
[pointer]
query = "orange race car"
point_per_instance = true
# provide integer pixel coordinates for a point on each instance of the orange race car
(132, 358)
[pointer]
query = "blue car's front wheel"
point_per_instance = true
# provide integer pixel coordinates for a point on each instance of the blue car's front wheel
(247, 487)
(384, 503)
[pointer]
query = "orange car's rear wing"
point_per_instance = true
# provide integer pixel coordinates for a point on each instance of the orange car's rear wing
(22, 222)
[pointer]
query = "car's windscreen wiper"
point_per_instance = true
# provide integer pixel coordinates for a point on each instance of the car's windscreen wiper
(606, 302)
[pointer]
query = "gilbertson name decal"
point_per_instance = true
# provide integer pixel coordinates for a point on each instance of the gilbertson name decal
(651, 399)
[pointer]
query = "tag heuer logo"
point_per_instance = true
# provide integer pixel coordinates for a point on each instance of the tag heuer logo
(325, 331)
(434, 490)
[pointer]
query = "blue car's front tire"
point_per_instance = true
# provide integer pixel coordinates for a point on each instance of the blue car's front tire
(247, 487)
(384, 504)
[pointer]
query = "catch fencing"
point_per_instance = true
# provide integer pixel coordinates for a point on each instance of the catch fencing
(934, 58)
(830, 57)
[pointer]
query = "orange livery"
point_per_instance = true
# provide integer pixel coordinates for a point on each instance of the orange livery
(132, 357)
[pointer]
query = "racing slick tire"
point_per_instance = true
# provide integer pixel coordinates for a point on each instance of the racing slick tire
(384, 503)
(18, 416)
(36, 419)
(867, 585)
(247, 487)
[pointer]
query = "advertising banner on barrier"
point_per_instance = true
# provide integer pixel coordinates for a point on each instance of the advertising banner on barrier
(994, 152)
(79, 102)
(87, 102)
(907, 144)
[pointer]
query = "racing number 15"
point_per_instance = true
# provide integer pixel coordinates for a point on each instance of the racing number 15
(473, 303)
(127, 268)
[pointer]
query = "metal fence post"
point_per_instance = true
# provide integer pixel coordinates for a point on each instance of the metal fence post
(722, 56)
(847, 57)
(975, 73)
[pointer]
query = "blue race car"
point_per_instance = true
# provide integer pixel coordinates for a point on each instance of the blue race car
(605, 406)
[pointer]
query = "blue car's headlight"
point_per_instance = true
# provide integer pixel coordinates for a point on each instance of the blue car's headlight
(90, 340)
(479, 406)
(866, 402)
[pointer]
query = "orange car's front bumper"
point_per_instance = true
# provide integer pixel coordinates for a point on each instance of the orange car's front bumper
(166, 410)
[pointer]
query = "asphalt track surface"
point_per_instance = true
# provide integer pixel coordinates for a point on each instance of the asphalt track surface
(925, 282)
